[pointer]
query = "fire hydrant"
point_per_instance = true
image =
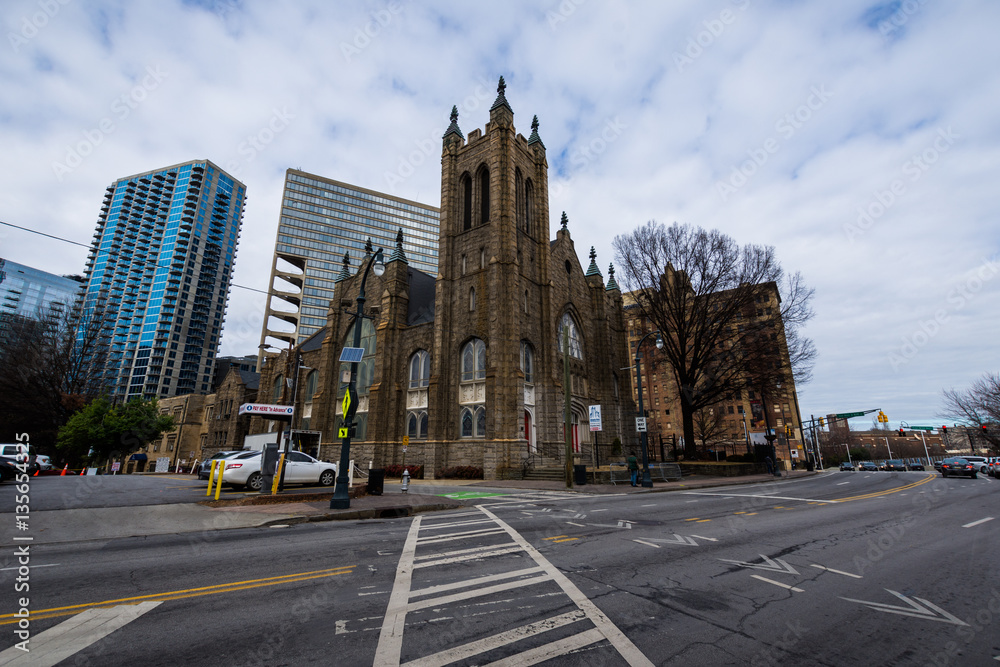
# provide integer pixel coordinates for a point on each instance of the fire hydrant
(406, 480)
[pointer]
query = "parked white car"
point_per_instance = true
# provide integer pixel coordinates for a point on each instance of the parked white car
(44, 462)
(243, 471)
(205, 468)
(979, 462)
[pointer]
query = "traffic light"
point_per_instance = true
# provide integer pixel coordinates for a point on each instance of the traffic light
(944, 430)
(902, 433)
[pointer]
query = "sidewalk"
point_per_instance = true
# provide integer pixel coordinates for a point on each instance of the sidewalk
(201, 520)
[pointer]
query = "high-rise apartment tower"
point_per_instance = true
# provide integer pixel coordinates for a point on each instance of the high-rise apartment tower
(158, 275)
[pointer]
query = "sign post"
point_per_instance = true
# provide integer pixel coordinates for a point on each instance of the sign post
(595, 418)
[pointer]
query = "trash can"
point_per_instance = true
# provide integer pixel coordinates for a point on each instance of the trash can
(580, 475)
(376, 481)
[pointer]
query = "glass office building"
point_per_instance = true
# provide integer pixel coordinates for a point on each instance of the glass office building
(321, 219)
(159, 273)
(28, 292)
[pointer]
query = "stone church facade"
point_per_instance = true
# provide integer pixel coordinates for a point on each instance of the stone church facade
(469, 364)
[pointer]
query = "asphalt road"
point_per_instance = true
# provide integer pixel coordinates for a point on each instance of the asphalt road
(837, 569)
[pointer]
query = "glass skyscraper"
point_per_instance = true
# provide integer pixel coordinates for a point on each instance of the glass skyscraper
(34, 294)
(158, 275)
(321, 219)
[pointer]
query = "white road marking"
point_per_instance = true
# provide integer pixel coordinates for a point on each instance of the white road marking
(677, 539)
(474, 554)
(469, 583)
(459, 536)
(648, 544)
(776, 565)
(479, 592)
(760, 495)
(830, 569)
(580, 525)
(927, 611)
(605, 627)
(653, 505)
(390, 640)
(599, 510)
(4, 569)
(456, 523)
(74, 635)
(842, 483)
(976, 523)
(553, 650)
(778, 583)
(473, 649)
(710, 539)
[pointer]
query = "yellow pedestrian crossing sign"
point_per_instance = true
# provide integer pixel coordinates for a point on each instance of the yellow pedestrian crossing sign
(342, 432)
(347, 402)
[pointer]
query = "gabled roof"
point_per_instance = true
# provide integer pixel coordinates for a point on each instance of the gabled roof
(314, 342)
(249, 379)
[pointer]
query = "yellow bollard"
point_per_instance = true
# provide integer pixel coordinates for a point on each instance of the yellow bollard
(218, 488)
(211, 477)
(277, 474)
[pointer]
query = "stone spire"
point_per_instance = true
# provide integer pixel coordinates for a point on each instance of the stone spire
(534, 138)
(501, 101)
(397, 254)
(564, 221)
(453, 128)
(612, 285)
(592, 270)
(345, 272)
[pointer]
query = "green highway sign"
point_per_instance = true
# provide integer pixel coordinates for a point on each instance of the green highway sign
(848, 415)
(921, 428)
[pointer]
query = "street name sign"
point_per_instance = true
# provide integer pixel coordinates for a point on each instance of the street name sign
(921, 428)
(848, 415)
(267, 410)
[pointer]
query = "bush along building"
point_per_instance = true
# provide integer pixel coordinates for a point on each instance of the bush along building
(469, 364)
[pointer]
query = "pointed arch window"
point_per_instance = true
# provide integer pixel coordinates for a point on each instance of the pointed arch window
(312, 384)
(416, 395)
(575, 349)
(519, 197)
(484, 195)
(466, 202)
(472, 298)
(527, 362)
(529, 197)
(472, 390)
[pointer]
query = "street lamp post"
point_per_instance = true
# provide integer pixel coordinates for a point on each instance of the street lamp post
(647, 481)
(341, 496)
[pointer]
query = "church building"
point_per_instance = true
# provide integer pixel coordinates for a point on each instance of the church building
(469, 364)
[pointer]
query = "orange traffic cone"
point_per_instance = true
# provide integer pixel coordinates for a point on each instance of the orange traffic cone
(63, 473)
(36, 472)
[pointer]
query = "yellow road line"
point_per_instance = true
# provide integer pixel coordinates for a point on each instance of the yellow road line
(555, 538)
(703, 520)
(694, 519)
(878, 494)
(566, 539)
(8, 619)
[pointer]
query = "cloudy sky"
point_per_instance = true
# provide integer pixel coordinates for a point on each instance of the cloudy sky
(858, 138)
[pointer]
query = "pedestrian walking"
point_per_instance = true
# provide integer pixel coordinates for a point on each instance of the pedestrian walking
(633, 468)
(770, 465)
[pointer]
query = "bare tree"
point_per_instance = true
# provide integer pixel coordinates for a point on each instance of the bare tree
(723, 310)
(709, 424)
(978, 406)
(49, 368)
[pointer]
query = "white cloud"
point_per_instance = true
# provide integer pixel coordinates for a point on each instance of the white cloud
(366, 87)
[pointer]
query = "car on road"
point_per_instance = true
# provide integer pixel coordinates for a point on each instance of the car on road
(957, 466)
(914, 466)
(7, 470)
(847, 466)
(205, 467)
(44, 462)
(980, 462)
(11, 453)
(894, 465)
(243, 471)
(994, 465)
(868, 466)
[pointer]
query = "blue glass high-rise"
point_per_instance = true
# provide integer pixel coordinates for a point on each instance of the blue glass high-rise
(158, 275)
